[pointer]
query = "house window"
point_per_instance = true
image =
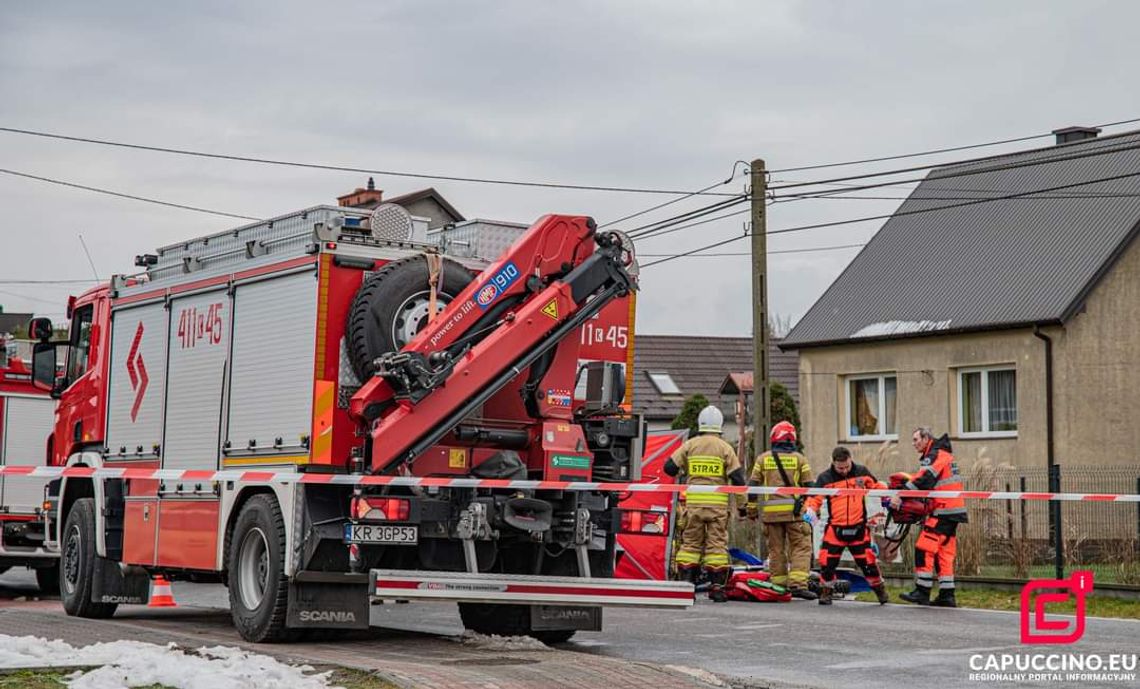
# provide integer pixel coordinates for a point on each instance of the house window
(872, 407)
(987, 402)
(664, 383)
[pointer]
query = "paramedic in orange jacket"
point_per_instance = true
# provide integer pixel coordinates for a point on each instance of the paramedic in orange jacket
(846, 523)
(937, 543)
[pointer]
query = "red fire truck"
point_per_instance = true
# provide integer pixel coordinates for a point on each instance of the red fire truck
(26, 418)
(303, 355)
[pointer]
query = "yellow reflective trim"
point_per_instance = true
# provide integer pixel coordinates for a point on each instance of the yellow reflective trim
(716, 559)
(779, 507)
(707, 498)
(788, 462)
(688, 557)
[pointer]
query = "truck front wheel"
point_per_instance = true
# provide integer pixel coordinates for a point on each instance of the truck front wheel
(77, 563)
(259, 591)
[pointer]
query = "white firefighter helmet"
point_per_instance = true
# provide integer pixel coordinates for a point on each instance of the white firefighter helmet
(710, 420)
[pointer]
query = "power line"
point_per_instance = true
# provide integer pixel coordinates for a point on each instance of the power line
(121, 195)
(679, 198)
(749, 253)
(662, 233)
(88, 281)
(1063, 156)
(657, 227)
(816, 226)
(936, 151)
(344, 168)
(694, 251)
(974, 202)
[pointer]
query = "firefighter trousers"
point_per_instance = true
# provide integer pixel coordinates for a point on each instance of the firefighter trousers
(936, 546)
(833, 545)
(704, 542)
(789, 552)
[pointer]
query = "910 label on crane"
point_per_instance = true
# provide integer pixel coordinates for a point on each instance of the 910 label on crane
(499, 283)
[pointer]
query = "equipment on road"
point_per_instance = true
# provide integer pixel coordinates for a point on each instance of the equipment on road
(26, 417)
(315, 345)
(161, 593)
(755, 587)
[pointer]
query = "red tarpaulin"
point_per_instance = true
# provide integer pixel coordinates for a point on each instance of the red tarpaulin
(646, 555)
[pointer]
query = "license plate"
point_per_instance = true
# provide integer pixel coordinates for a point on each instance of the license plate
(381, 533)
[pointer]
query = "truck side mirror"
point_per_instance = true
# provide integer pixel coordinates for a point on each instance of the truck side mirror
(43, 365)
(40, 329)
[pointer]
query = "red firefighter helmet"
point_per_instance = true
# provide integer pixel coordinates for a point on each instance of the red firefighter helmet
(783, 432)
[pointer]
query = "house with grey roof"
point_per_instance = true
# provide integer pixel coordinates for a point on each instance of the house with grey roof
(668, 369)
(1000, 304)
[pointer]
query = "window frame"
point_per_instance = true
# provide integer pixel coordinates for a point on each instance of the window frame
(76, 335)
(984, 393)
(881, 378)
(656, 386)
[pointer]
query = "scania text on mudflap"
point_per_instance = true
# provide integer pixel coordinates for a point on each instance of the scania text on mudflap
(26, 417)
(317, 343)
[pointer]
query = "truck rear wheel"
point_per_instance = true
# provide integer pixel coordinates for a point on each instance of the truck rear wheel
(392, 306)
(507, 620)
(259, 591)
(77, 563)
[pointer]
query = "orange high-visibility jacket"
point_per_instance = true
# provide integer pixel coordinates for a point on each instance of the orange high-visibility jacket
(845, 510)
(939, 471)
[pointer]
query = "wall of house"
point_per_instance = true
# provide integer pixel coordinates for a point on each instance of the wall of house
(1096, 372)
(927, 395)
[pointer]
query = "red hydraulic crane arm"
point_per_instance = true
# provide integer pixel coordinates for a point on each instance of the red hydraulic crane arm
(496, 328)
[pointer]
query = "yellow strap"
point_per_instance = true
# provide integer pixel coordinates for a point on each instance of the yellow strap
(707, 498)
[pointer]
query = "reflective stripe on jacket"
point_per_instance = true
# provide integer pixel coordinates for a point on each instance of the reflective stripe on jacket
(706, 460)
(939, 471)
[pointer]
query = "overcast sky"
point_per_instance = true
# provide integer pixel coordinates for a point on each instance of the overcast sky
(645, 94)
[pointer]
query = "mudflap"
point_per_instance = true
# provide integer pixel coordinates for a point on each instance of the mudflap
(111, 585)
(552, 618)
(327, 605)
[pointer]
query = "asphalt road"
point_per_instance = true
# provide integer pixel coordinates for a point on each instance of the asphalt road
(850, 644)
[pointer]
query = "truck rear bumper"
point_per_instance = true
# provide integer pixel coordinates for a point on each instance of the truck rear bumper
(528, 590)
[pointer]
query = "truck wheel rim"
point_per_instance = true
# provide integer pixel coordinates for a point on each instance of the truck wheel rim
(72, 550)
(253, 569)
(412, 316)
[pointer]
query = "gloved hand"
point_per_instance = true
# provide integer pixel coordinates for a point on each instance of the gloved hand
(886, 503)
(810, 516)
(753, 511)
(742, 511)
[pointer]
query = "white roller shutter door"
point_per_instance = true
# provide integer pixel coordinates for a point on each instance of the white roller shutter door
(28, 422)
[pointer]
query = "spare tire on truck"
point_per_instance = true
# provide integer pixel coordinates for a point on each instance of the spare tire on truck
(392, 306)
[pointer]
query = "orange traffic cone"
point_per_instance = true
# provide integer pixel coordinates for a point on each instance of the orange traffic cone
(161, 595)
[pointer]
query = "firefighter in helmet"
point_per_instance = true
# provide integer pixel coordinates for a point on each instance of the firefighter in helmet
(706, 460)
(846, 523)
(788, 537)
(937, 543)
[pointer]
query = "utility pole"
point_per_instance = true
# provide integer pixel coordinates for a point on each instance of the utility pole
(762, 412)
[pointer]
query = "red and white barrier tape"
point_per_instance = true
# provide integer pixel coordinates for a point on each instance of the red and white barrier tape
(249, 476)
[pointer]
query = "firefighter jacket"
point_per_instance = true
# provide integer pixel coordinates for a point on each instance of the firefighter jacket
(938, 471)
(845, 510)
(780, 508)
(706, 460)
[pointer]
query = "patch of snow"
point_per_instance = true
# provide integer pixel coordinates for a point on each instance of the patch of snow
(698, 674)
(494, 642)
(899, 328)
(137, 664)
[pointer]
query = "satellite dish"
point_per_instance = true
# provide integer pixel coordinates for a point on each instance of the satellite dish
(391, 223)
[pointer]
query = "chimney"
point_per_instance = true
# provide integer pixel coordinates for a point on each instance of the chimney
(1070, 134)
(362, 198)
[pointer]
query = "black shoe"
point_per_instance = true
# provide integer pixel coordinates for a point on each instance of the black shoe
(945, 599)
(825, 595)
(717, 595)
(919, 596)
(881, 594)
(803, 593)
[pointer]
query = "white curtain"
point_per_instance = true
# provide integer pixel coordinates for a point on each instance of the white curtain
(1003, 400)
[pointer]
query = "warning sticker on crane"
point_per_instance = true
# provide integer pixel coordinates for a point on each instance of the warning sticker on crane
(551, 309)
